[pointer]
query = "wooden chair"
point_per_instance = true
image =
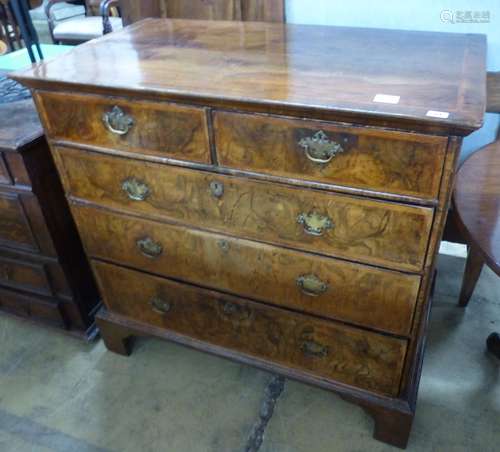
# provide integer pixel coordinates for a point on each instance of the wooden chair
(81, 29)
(476, 208)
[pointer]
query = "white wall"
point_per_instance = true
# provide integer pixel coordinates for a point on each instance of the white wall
(410, 15)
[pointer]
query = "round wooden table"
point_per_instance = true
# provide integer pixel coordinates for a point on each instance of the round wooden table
(477, 205)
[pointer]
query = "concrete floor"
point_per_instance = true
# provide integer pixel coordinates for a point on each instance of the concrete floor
(59, 394)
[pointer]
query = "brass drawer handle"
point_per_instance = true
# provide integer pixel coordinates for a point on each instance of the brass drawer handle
(311, 285)
(149, 247)
(314, 223)
(160, 306)
(135, 189)
(313, 348)
(319, 149)
(117, 122)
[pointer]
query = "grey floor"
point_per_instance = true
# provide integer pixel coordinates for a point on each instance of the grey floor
(59, 394)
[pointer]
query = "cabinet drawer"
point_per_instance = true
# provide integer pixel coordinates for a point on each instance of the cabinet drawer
(163, 129)
(24, 275)
(371, 159)
(15, 229)
(382, 233)
(379, 299)
(355, 357)
(4, 173)
(39, 308)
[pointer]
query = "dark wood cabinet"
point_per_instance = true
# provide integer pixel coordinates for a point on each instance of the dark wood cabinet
(44, 274)
(274, 194)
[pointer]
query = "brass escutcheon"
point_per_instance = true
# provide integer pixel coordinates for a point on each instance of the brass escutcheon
(320, 149)
(117, 122)
(217, 189)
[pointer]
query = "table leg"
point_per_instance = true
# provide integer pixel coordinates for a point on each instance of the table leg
(473, 268)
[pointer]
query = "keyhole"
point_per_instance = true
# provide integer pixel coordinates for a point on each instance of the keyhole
(217, 188)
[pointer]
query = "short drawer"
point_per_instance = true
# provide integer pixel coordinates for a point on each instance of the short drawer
(369, 159)
(15, 228)
(4, 173)
(360, 358)
(163, 129)
(383, 233)
(359, 294)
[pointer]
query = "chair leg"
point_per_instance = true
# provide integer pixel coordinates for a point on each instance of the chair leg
(473, 268)
(493, 344)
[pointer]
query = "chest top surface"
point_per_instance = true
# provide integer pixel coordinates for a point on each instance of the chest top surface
(279, 66)
(19, 123)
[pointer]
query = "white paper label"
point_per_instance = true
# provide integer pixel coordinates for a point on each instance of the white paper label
(438, 114)
(386, 99)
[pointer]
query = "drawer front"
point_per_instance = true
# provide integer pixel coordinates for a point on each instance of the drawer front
(162, 129)
(389, 234)
(22, 275)
(15, 229)
(355, 357)
(39, 308)
(4, 173)
(371, 159)
(380, 299)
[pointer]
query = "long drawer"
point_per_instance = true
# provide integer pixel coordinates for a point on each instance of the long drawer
(382, 233)
(355, 357)
(33, 273)
(376, 298)
(371, 159)
(157, 128)
(37, 307)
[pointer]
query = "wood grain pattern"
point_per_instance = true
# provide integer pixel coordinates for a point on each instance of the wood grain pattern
(17, 169)
(34, 273)
(4, 173)
(247, 10)
(16, 133)
(204, 10)
(40, 252)
(493, 92)
(15, 230)
(402, 163)
(24, 275)
(355, 357)
(132, 11)
(159, 128)
(306, 71)
(389, 234)
(44, 309)
(379, 299)
(477, 202)
(263, 10)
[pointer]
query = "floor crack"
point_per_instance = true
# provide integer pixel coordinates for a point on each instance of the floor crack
(271, 395)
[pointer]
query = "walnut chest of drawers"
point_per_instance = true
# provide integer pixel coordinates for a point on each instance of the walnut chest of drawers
(270, 193)
(44, 275)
